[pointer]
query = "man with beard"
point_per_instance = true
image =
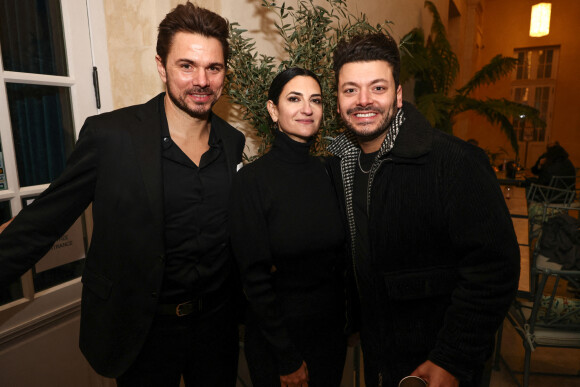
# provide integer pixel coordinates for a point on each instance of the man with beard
(158, 300)
(435, 259)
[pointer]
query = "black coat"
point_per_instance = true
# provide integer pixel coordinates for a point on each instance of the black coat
(444, 255)
(116, 166)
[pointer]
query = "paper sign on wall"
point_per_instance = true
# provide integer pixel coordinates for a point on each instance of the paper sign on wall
(68, 248)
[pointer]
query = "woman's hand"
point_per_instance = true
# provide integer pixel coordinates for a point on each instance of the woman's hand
(298, 378)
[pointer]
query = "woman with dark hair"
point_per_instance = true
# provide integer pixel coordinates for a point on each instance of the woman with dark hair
(288, 237)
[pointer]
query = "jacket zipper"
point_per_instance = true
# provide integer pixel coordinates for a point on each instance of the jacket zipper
(372, 173)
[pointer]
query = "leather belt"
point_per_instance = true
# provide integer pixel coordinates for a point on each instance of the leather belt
(195, 305)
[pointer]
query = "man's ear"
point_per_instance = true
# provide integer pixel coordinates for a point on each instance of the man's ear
(161, 69)
(399, 97)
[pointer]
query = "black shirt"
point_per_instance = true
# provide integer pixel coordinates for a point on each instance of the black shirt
(195, 210)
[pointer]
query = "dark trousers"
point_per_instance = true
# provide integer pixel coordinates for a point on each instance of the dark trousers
(320, 341)
(203, 348)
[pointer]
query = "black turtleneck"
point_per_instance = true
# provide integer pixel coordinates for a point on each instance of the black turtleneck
(288, 239)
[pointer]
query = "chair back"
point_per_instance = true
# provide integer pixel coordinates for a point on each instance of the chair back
(550, 317)
(563, 182)
(549, 195)
(551, 308)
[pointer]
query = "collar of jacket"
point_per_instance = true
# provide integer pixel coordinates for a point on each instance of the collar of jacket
(412, 144)
(149, 113)
(146, 136)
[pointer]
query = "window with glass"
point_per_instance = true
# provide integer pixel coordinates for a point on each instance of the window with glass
(545, 58)
(534, 85)
(41, 42)
(14, 290)
(40, 113)
(524, 64)
(3, 184)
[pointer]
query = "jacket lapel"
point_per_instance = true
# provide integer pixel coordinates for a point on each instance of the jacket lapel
(228, 141)
(146, 137)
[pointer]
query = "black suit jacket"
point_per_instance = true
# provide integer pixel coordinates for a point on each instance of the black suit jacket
(116, 165)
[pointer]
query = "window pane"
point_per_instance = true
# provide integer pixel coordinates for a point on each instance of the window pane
(31, 36)
(549, 59)
(64, 261)
(3, 182)
(541, 63)
(58, 275)
(521, 95)
(14, 290)
(520, 66)
(5, 212)
(541, 100)
(527, 65)
(43, 131)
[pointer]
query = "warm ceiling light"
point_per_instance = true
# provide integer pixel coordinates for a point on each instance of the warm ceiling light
(540, 21)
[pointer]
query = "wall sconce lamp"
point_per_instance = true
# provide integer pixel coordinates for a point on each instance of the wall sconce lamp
(540, 20)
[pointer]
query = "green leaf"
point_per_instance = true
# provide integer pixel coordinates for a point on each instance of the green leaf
(499, 66)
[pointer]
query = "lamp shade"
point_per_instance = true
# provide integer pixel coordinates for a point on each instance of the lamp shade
(540, 20)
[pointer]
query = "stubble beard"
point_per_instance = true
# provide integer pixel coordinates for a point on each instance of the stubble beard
(179, 100)
(381, 128)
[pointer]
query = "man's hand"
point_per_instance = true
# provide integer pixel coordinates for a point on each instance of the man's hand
(3, 226)
(298, 378)
(435, 375)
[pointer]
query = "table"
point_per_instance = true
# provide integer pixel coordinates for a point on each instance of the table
(518, 181)
(515, 199)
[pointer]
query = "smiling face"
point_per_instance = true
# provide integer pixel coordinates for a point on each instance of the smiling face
(299, 109)
(194, 73)
(368, 100)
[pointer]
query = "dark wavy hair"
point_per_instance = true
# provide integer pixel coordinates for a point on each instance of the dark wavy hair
(193, 19)
(365, 48)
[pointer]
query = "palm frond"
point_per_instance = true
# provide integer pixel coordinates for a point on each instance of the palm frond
(498, 67)
(437, 28)
(444, 65)
(435, 107)
(499, 111)
(415, 61)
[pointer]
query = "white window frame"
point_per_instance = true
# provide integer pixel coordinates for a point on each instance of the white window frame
(532, 82)
(85, 37)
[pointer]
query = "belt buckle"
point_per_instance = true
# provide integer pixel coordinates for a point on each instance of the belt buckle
(184, 309)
